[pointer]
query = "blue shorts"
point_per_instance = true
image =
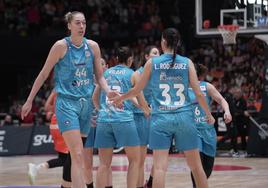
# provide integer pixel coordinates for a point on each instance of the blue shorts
(142, 124)
(180, 126)
(91, 138)
(73, 114)
(121, 134)
(207, 141)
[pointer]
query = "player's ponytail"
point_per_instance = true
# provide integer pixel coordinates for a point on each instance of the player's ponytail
(175, 46)
(172, 38)
(123, 53)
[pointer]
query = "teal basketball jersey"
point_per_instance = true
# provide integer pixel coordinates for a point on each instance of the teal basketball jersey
(169, 84)
(199, 113)
(73, 73)
(146, 93)
(119, 79)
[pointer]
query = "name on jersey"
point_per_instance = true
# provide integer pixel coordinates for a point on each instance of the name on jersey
(169, 108)
(164, 66)
(117, 71)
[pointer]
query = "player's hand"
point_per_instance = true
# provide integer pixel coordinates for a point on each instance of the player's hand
(210, 119)
(112, 94)
(93, 120)
(116, 100)
(147, 112)
(227, 117)
(49, 116)
(26, 108)
(114, 97)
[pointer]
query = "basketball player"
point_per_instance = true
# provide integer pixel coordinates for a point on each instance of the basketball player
(207, 137)
(116, 126)
(74, 58)
(142, 122)
(59, 146)
(169, 77)
(89, 145)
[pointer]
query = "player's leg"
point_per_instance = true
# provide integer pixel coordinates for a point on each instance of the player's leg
(105, 142)
(160, 161)
(105, 157)
(126, 136)
(186, 139)
(160, 138)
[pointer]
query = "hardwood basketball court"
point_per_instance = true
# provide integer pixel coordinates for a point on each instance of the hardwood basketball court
(228, 172)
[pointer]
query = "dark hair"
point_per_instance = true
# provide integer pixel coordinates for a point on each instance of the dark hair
(147, 51)
(201, 70)
(172, 37)
(123, 53)
(70, 15)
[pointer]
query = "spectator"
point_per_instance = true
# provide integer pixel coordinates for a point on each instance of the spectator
(240, 117)
(231, 129)
(7, 121)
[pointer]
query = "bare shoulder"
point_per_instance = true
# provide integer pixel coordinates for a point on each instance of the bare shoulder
(210, 87)
(190, 62)
(61, 43)
(93, 44)
(136, 74)
(148, 63)
(60, 47)
(208, 84)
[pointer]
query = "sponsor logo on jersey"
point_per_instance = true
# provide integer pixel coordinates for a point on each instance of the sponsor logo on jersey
(80, 64)
(164, 77)
(87, 53)
(78, 83)
(203, 88)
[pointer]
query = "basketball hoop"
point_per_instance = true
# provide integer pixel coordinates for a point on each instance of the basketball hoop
(228, 33)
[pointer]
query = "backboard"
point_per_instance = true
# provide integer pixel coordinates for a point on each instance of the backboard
(250, 15)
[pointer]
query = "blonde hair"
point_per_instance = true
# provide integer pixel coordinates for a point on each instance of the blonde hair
(70, 15)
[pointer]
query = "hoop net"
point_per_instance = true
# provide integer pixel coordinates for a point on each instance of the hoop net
(228, 33)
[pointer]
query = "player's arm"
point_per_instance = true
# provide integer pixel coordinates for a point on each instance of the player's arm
(96, 97)
(216, 96)
(49, 105)
(98, 70)
(142, 104)
(145, 76)
(198, 93)
(56, 52)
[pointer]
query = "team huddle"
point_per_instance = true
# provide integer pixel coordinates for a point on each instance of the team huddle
(166, 98)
